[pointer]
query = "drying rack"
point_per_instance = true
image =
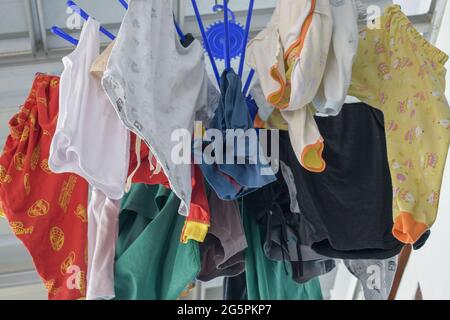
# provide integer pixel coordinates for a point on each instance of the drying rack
(85, 16)
(31, 41)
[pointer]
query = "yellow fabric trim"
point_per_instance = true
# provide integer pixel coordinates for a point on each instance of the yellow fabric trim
(193, 230)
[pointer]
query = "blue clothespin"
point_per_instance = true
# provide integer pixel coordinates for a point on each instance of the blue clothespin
(205, 40)
(61, 33)
(85, 16)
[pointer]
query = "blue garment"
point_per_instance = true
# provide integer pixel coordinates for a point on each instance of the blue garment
(232, 181)
(252, 107)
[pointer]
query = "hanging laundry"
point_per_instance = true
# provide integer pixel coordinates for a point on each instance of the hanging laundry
(265, 109)
(266, 279)
(199, 219)
(222, 253)
(46, 211)
(289, 57)
(100, 63)
(400, 73)
(422, 240)
(375, 276)
(157, 85)
(276, 209)
(143, 165)
(338, 72)
(144, 169)
(233, 180)
(235, 288)
(2, 211)
(347, 209)
(151, 263)
(103, 226)
(275, 121)
(87, 123)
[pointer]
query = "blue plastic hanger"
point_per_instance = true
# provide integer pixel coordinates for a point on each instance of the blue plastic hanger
(205, 41)
(179, 31)
(124, 4)
(247, 32)
(227, 43)
(61, 33)
(248, 82)
(85, 16)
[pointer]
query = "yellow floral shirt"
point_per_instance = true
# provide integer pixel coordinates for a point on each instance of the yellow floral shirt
(400, 73)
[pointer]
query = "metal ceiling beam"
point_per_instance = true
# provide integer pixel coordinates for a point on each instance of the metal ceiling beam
(180, 12)
(29, 18)
(437, 12)
(43, 29)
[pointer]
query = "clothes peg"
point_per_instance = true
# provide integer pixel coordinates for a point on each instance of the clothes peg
(247, 32)
(61, 33)
(227, 35)
(205, 40)
(85, 16)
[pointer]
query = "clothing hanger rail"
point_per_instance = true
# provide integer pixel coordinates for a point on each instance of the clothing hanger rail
(83, 14)
(248, 82)
(124, 4)
(178, 29)
(61, 33)
(205, 40)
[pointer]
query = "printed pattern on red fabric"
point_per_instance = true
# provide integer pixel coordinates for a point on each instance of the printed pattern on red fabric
(144, 174)
(46, 211)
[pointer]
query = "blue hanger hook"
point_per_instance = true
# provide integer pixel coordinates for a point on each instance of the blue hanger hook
(61, 33)
(205, 40)
(124, 4)
(178, 29)
(227, 35)
(247, 32)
